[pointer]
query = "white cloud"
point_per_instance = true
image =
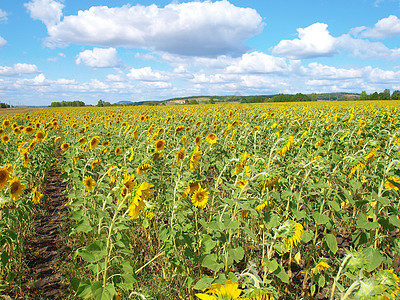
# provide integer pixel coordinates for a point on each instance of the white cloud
(3, 16)
(3, 42)
(314, 41)
(193, 28)
(47, 11)
(99, 58)
(114, 78)
(257, 62)
(18, 69)
(317, 70)
(384, 28)
(146, 74)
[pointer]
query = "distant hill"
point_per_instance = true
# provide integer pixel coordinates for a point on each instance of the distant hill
(124, 102)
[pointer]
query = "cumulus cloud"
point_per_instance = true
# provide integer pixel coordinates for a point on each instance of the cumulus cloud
(18, 69)
(47, 11)
(3, 42)
(314, 41)
(257, 62)
(192, 29)
(99, 58)
(384, 28)
(3, 16)
(146, 74)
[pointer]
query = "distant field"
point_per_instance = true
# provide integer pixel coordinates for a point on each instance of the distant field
(18, 110)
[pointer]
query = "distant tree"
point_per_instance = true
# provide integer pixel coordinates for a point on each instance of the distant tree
(193, 101)
(363, 96)
(4, 105)
(374, 96)
(343, 98)
(313, 97)
(385, 95)
(212, 101)
(396, 95)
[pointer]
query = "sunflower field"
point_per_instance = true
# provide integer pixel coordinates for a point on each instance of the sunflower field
(224, 201)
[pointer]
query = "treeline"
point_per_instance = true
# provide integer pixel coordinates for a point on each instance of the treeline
(299, 97)
(385, 95)
(4, 105)
(67, 104)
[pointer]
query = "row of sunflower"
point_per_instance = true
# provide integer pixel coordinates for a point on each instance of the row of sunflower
(24, 160)
(232, 201)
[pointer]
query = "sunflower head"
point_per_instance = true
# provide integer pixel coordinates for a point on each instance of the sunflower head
(64, 146)
(16, 188)
(117, 151)
(36, 196)
(160, 145)
(211, 138)
(4, 177)
(200, 197)
(94, 142)
(5, 139)
(89, 183)
(143, 168)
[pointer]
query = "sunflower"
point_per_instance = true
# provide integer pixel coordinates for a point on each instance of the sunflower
(16, 188)
(143, 168)
(117, 151)
(217, 291)
(370, 156)
(160, 145)
(28, 130)
(4, 176)
(322, 266)
(184, 139)
(241, 183)
(180, 155)
(132, 154)
(319, 143)
(211, 139)
(89, 183)
(197, 140)
(271, 181)
(36, 196)
(6, 123)
(200, 197)
(389, 185)
(40, 136)
(129, 182)
(264, 204)
(5, 139)
(195, 158)
(24, 155)
(82, 140)
(179, 128)
(57, 139)
(143, 192)
(294, 235)
(94, 142)
(96, 163)
(64, 146)
(355, 168)
(157, 155)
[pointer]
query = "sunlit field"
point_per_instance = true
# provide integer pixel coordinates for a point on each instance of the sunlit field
(232, 201)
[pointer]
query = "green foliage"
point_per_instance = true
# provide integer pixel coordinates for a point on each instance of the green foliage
(67, 104)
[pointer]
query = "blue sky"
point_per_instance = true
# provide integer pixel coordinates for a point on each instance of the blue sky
(55, 50)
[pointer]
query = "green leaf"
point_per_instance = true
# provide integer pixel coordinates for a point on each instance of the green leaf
(321, 281)
(84, 290)
(82, 226)
(331, 242)
(334, 205)
(320, 219)
(210, 261)
(306, 236)
(208, 244)
(4, 258)
(281, 274)
(103, 293)
(394, 221)
(363, 223)
(203, 283)
(271, 265)
(236, 254)
(373, 258)
(94, 252)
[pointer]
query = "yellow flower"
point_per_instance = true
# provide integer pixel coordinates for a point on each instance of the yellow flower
(195, 158)
(241, 183)
(319, 143)
(389, 185)
(96, 163)
(117, 151)
(5, 139)
(180, 155)
(218, 291)
(132, 154)
(143, 168)
(197, 140)
(355, 168)
(322, 266)
(6, 123)
(179, 128)
(4, 177)
(16, 188)
(57, 139)
(294, 236)
(28, 130)
(89, 183)
(36, 196)
(64, 146)
(271, 181)
(211, 139)
(143, 192)
(94, 142)
(200, 197)
(160, 145)
(370, 156)
(128, 182)
(264, 204)
(82, 140)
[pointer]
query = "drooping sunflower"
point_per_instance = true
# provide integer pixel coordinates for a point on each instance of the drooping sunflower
(89, 183)
(64, 146)
(370, 156)
(143, 192)
(197, 140)
(40, 136)
(160, 145)
(94, 142)
(36, 196)
(4, 177)
(195, 158)
(356, 167)
(180, 155)
(389, 185)
(200, 197)
(96, 163)
(16, 188)
(211, 138)
(82, 140)
(294, 235)
(179, 128)
(132, 154)
(143, 168)
(57, 139)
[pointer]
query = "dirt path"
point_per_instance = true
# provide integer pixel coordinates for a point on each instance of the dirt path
(45, 251)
